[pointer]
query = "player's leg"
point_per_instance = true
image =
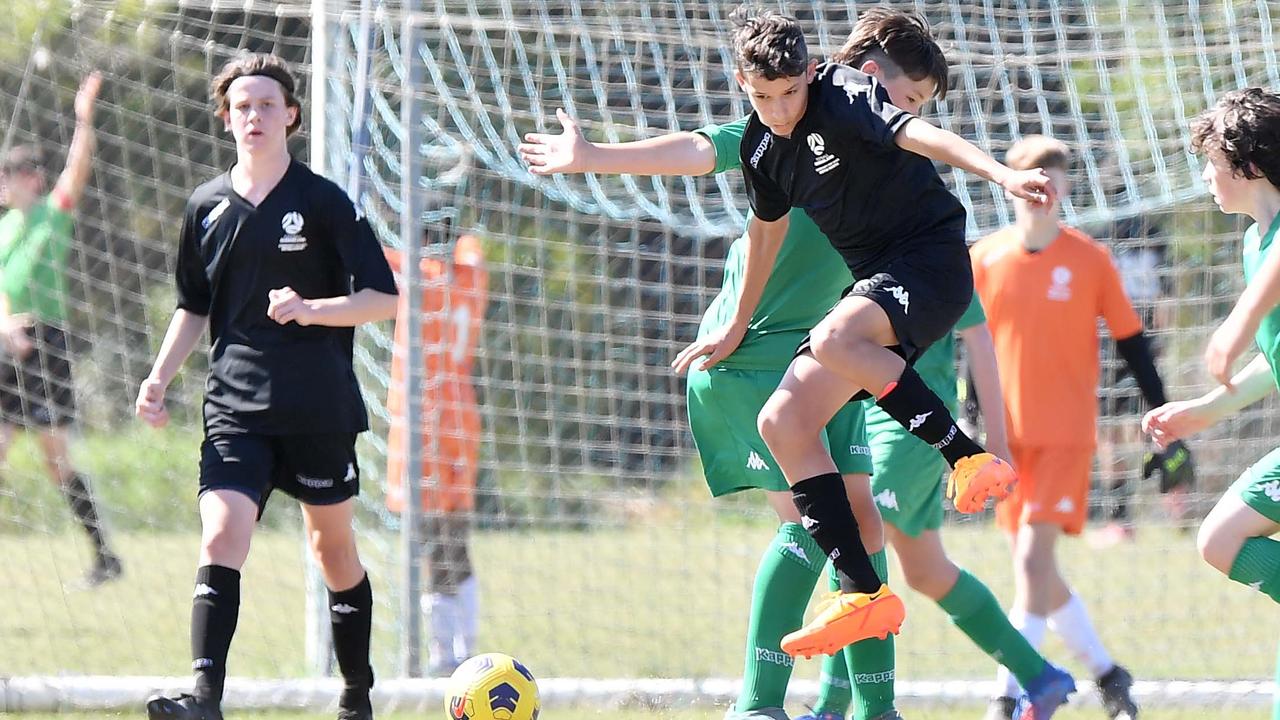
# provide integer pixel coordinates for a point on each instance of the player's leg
(854, 341)
(75, 487)
(467, 599)
(322, 472)
(792, 423)
(235, 473)
(1235, 537)
(440, 602)
(722, 406)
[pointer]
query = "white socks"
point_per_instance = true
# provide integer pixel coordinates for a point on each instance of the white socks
(1032, 628)
(455, 622)
(1071, 623)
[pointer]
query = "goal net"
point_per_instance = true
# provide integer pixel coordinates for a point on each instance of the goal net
(599, 555)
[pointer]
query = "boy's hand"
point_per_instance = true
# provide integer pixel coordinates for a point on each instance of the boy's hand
(285, 306)
(1173, 421)
(150, 403)
(15, 335)
(1226, 345)
(550, 154)
(1173, 465)
(716, 346)
(87, 96)
(1031, 185)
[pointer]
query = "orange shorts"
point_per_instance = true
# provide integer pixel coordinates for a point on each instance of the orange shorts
(1053, 488)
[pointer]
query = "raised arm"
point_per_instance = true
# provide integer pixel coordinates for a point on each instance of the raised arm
(75, 175)
(922, 138)
(681, 153)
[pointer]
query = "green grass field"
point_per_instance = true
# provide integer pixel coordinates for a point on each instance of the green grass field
(920, 713)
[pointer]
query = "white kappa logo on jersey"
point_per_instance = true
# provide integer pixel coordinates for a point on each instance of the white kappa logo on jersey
(291, 223)
(822, 162)
(903, 297)
(755, 462)
(760, 149)
(215, 213)
(1060, 290)
(917, 421)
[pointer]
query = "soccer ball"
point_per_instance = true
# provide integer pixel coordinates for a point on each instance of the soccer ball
(492, 686)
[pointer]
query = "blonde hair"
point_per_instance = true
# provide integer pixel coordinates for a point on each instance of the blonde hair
(1038, 151)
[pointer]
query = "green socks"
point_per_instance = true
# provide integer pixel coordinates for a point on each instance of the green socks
(870, 664)
(784, 582)
(1258, 566)
(977, 613)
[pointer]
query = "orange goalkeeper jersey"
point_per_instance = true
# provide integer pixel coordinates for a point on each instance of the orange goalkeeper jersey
(1043, 309)
(453, 307)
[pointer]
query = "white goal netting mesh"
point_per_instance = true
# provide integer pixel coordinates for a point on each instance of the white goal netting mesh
(598, 552)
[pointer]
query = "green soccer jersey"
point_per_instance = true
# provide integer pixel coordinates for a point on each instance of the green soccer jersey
(807, 279)
(1256, 247)
(34, 245)
(937, 366)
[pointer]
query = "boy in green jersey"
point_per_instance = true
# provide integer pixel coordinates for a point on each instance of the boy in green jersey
(36, 387)
(729, 386)
(1239, 137)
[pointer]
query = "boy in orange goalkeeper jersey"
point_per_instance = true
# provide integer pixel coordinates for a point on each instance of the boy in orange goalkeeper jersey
(1044, 285)
(453, 306)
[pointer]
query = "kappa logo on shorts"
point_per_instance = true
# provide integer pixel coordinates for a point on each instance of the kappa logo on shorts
(291, 224)
(315, 483)
(755, 462)
(887, 499)
(1272, 490)
(917, 421)
(352, 475)
(902, 296)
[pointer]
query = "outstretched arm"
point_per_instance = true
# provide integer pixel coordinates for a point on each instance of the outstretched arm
(70, 185)
(681, 153)
(1232, 338)
(1183, 418)
(921, 138)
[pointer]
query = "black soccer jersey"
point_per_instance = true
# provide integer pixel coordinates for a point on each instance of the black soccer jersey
(874, 201)
(306, 234)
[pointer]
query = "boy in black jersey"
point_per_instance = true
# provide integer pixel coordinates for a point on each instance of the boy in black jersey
(280, 265)
(828, 140)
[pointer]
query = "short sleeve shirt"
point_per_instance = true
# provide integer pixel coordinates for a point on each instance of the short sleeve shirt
(305, 234)
(1256, 248)
(34, 246)
(873, 200)
(1043, 309)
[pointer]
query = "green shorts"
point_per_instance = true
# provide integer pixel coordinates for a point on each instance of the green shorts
(1259, 486)
(723, 405)
(907, 481)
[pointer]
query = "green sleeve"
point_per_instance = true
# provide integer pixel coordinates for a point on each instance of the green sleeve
(973, 315)
(727, 140)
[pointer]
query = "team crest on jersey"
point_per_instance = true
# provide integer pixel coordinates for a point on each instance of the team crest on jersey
(822, 162)
(1060, 290)
(292, 241)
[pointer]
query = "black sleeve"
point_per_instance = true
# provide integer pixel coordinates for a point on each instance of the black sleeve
(191, 277)
(1136, 351)
(360, 250)
(860, 104)
(768, 201)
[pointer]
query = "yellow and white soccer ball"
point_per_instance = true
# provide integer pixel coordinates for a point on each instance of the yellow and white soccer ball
(492, 686)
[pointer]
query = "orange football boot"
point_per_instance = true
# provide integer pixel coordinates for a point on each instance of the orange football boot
(845, 619)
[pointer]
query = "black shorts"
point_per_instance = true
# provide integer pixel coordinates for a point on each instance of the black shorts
(922, 305)
(315, 469)
(37, 391)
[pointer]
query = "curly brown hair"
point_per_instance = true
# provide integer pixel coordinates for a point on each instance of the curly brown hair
(1243, 128)
(768, 43)
(902, 38)
(248, 64)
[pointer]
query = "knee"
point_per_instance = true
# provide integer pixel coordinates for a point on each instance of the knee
(226, 545)
(827, 342)
(1218, 547)
(774, 422)
(333, 551)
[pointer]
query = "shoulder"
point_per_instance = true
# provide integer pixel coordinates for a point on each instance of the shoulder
(989, 243)
(1083, 245)
(208, 197)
